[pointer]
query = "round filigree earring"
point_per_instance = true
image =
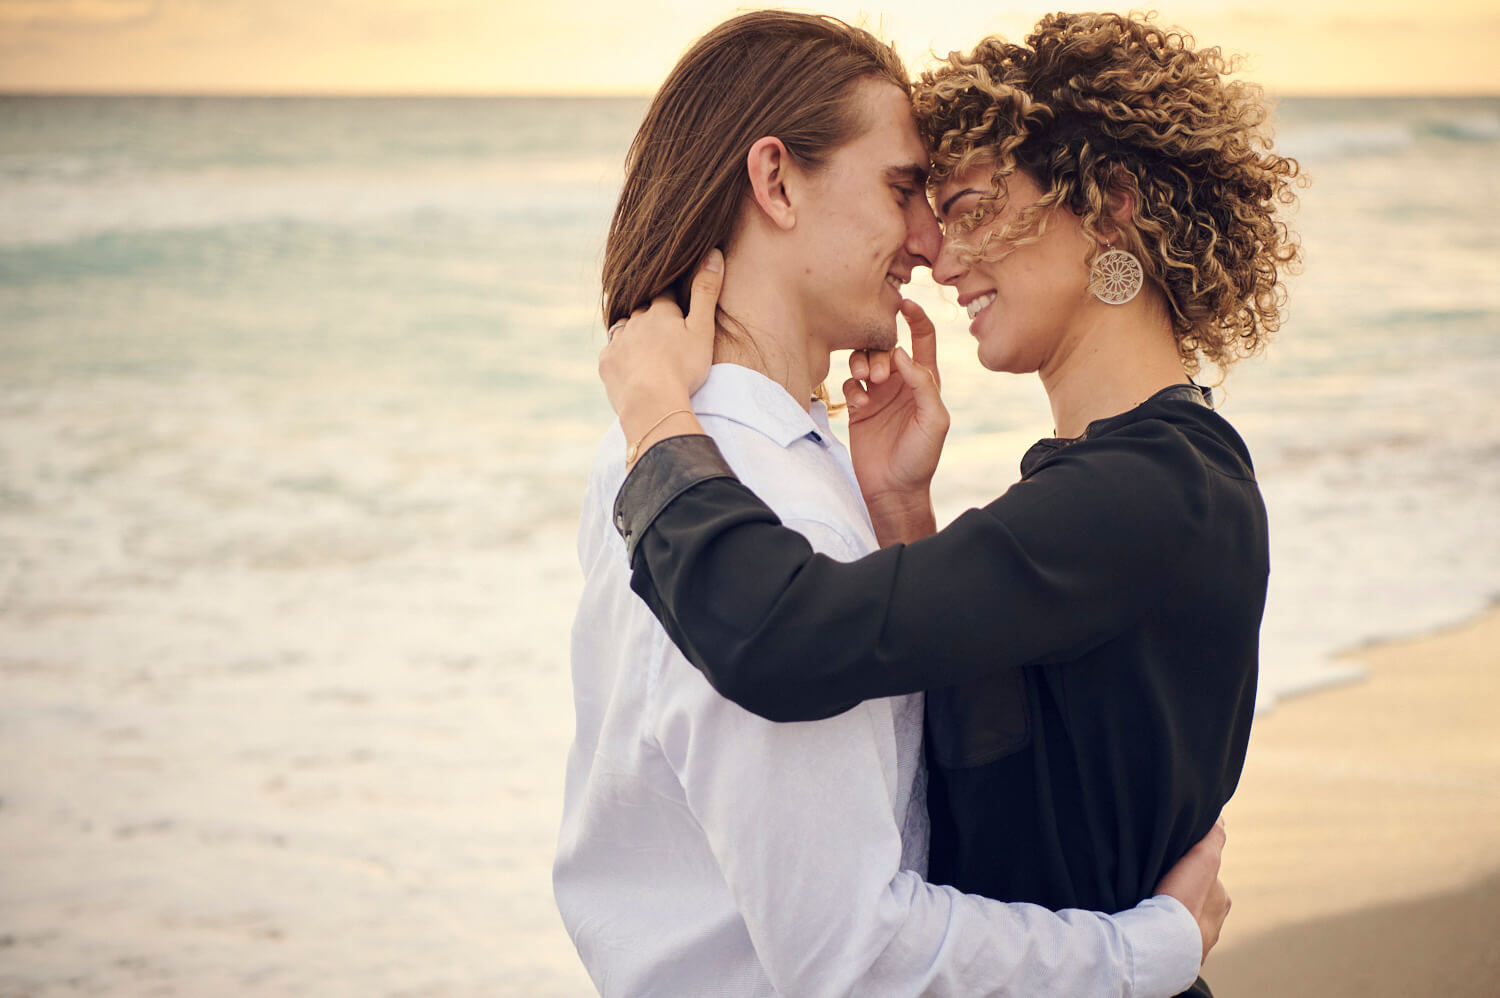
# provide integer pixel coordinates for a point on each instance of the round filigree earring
(1116, 277)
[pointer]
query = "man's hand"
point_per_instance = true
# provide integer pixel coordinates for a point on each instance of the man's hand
(897, 424)
(1195, 882)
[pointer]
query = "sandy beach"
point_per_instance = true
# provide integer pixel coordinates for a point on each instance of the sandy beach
(298, 400)
(1364, 840)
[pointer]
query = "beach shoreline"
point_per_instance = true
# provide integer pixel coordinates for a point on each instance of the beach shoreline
(1364, 839)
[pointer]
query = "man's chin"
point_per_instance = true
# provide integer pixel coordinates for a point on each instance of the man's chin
(876, 336)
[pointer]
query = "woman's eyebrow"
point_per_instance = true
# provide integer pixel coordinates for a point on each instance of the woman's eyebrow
(948, 204)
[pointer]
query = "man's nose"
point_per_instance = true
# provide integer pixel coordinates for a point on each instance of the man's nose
(923, 237)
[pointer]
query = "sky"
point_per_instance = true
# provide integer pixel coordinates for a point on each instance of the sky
(622, 47)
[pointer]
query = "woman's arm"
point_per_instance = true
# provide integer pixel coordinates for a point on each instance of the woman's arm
(825, 902)
(1049, 570)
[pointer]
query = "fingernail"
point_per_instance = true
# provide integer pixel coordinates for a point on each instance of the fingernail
(714, 263)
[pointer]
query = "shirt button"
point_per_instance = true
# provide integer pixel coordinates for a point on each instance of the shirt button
(619, 521)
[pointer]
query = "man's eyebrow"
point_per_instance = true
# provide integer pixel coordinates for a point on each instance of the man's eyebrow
(948, 204)
(910, 172)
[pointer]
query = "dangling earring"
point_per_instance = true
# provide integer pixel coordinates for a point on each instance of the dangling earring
(1116, 277)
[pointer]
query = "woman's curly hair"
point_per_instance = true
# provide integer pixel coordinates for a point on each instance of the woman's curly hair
(1094, 104)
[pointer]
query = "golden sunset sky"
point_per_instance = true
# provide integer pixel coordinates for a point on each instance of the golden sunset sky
(623, 47)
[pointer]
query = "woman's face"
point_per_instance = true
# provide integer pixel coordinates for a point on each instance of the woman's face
(1027, 310)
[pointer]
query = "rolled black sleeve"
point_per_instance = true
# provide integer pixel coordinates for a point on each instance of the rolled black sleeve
(1046, 572)
(668, 469)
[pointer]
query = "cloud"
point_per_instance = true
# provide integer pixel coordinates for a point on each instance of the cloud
(604, 46)
(391, 21)
(78, 14)
(346, 23)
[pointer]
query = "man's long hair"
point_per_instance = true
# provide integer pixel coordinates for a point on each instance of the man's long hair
(776, 73)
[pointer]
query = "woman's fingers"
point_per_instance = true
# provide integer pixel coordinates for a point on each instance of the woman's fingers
(923, 337)
(702, 304)
(658, 357)
(703, 300)
(924, 388)
(922, 381)
(855, 394)
(859, 365)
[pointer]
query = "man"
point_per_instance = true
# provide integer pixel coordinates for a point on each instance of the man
(704, 849)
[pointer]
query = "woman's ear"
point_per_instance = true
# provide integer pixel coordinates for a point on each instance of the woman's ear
(770, 166)
(1119, 213)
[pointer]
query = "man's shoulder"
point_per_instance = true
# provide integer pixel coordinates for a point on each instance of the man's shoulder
(805, 484)
(777, 474)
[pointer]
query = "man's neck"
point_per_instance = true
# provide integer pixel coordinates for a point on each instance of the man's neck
(766, 333)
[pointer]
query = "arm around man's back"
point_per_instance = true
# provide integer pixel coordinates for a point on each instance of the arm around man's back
(793, 635)
(800, 821)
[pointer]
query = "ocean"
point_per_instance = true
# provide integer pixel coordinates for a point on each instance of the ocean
(297, 401)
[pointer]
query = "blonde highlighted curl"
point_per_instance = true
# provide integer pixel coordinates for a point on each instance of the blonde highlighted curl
(1098, 104)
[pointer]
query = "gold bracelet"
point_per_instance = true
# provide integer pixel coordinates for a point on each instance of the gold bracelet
(630, 452)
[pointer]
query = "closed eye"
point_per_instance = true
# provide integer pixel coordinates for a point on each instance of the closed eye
(954, 212)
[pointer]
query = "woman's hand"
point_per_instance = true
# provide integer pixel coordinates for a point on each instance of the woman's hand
(897, 424)
(655, 360)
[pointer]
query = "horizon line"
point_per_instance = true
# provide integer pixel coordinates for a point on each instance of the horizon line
(620, 95)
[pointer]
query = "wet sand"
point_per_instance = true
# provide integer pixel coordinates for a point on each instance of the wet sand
(1364, 841)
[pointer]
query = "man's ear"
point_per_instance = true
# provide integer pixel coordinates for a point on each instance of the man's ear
(770, 167)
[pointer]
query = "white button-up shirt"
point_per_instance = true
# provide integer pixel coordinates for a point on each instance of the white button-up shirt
(707, 851)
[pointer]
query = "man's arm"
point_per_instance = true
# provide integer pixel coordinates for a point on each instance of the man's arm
(799, 817)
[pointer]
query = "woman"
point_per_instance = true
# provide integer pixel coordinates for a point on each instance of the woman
(1089, 638)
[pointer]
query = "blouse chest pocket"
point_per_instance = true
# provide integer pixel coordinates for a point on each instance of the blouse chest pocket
(979, 721)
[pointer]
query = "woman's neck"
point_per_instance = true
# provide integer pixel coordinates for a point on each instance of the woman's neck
(1121, 360)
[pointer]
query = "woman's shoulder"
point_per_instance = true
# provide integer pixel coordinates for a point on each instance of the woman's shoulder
(1171, 430)
(1169, 463)
(1210, 437)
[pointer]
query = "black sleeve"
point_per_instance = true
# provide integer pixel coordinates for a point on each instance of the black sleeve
(1052, 568)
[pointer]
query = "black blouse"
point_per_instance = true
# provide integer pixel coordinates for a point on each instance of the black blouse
(1088, 640)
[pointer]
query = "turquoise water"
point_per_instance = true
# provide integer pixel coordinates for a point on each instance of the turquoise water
(296, 405)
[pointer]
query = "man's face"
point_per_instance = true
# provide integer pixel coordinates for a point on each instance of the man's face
(867, 224)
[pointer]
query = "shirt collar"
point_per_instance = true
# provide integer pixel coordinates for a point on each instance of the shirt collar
(751, 399)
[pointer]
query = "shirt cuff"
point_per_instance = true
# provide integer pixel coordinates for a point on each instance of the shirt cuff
(668, 469)
(1166, 948)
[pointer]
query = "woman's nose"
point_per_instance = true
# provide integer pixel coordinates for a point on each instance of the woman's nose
(948, 268)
